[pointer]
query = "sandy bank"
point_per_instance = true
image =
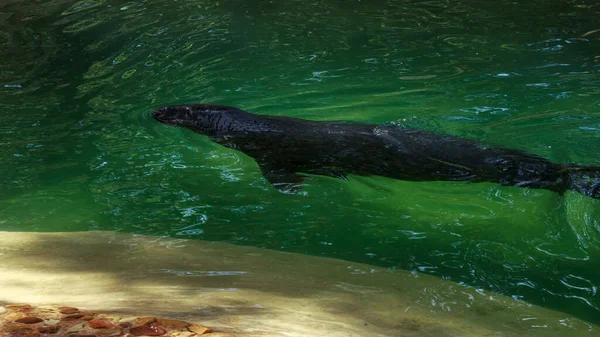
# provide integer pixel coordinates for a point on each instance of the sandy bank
(256, 292)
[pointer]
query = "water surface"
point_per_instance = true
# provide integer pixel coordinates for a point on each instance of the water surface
(80, 152)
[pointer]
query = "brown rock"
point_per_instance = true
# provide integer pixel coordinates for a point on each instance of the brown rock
(199, 329)
(172, 324)
(218, 334)
(72, 317)
(67, 310)
(143, 320)
(147, 330)
(78, 335)
(16, 328)
(49, 329)
(87, 318)
(29, 320)
(99, 323)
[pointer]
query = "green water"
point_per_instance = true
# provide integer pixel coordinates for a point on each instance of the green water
(79, 150)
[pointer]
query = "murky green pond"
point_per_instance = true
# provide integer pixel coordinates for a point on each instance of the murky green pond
(79, 150)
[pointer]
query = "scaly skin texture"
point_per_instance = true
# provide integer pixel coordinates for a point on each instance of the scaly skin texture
(284, 147)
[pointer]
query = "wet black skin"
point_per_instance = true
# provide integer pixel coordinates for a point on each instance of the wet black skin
(284, 147)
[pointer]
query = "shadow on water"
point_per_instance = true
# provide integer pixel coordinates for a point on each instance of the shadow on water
(80, 152)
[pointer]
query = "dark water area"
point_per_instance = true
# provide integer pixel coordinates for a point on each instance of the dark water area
(79, 150)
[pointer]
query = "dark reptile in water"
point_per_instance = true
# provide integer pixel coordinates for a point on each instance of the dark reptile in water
(286, 147)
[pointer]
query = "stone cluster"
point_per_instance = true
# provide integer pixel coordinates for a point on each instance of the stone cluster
(23, 320)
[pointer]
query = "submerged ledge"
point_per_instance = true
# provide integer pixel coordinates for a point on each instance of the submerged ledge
(248, 291)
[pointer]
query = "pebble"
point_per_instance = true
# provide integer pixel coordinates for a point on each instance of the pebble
(100, 323)
(199, 329)
(143, 320)
(67, 310)
(147, 330)
(29, 320)
(72, 317)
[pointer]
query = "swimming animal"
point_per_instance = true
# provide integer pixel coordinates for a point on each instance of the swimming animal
(284, 148)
